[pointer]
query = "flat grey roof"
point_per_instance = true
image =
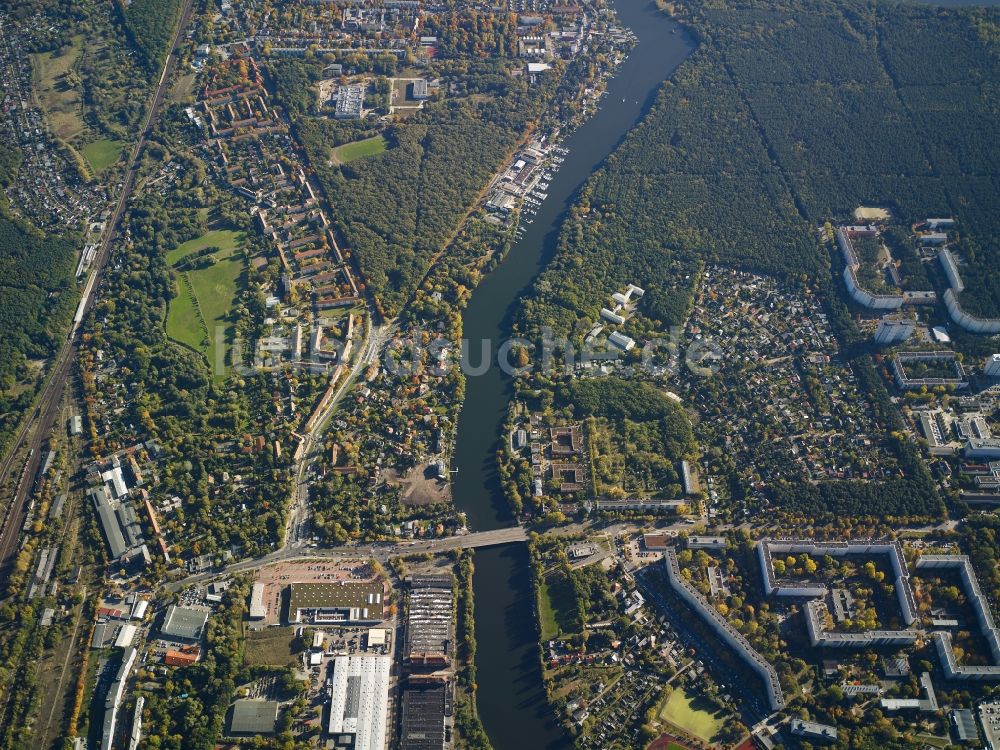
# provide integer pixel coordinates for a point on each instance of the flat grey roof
(253, 717)
(184, 622)
(109, 522)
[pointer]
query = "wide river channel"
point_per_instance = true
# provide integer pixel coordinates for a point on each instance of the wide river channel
(511, 698)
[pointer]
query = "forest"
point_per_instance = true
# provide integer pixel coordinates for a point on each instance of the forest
(37, 298)
(150, 27)
(788, 114)
(398, 209)
(625, 399)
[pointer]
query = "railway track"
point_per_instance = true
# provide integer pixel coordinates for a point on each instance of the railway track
(36, 429)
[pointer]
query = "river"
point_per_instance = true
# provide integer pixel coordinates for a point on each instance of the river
(511, 697)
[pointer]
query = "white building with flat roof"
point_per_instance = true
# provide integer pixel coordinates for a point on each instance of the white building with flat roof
(359, 700)
(258, 609)
(611, 316)
(621, 341)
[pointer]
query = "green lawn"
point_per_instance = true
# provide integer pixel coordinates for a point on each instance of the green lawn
(547, 614)
(683, 712)
(206, 297)
(184, 322)
(351, 151)
(102, 153)
(225, 239)
(557, 607)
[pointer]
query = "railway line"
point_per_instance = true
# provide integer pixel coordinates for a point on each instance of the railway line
(36, 429)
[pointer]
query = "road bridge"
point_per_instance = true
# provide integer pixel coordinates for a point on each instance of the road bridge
(381, 551)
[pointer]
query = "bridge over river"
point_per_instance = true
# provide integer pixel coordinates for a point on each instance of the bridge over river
(381, 551)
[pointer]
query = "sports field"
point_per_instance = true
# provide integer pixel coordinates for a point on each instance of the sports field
(351, 151)
(546, 614)
(102, 153)
(682, 711)
(557, 607)
(199, 316)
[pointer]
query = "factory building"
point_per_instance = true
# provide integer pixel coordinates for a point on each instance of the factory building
(359, 702)
(424, 709)
(184, 623)
(113, 700)
(428, 639)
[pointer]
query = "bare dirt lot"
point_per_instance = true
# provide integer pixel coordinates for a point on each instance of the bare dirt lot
(421, 486)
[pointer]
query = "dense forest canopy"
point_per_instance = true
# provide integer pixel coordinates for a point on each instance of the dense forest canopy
(623, 399)
(150, 26)
(37, 297)
(789, 114)
(397, 210)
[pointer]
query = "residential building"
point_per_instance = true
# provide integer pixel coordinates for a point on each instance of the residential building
(724, 630)
(981, 606)
(812, 730)
(621, 341)
(992, 367)
(893, 330)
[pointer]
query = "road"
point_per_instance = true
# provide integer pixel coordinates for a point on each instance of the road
(36, 429)
(381, 551)
(299, 530)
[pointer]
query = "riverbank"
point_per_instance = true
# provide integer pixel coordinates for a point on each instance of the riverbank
(511, 696)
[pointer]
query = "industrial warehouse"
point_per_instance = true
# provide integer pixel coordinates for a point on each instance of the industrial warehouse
(427, 656)
(428, 626)
(338, 602)
(358, 699)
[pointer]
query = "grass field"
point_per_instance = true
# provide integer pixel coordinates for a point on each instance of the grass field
(933, 740)
(270, 647)
(183, 88)
(184, 322)
(557, 608)
(547, 614)
(102, 154)
(682, 711)
(225, 239)
(351, 151)
(60, 101)
(206, 295)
